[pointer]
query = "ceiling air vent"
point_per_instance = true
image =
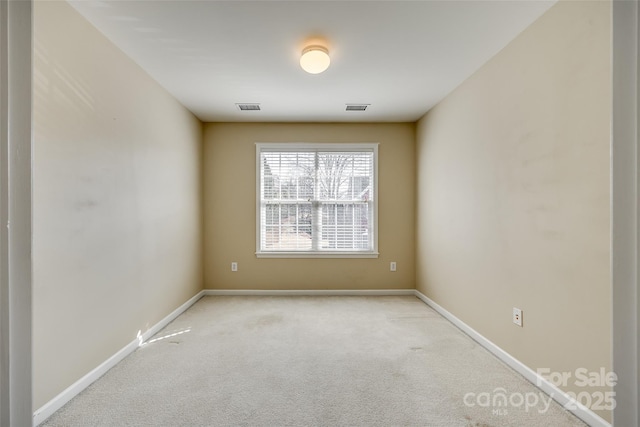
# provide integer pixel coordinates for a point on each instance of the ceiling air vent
(248, 107)
(357, 107)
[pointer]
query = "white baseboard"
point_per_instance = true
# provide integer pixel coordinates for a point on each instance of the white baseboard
(302, 292)
(582, 412)
(73, 390)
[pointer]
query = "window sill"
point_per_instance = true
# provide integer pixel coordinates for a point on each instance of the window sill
(317, 254)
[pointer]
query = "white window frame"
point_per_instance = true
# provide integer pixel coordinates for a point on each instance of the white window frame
(338, 147)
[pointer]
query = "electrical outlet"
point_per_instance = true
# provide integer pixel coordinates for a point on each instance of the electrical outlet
(392, 266)
(234, 266)
(517, 316)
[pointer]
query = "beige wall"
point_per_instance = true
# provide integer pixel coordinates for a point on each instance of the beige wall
(513, 194)
(117, 210)
(230, 209)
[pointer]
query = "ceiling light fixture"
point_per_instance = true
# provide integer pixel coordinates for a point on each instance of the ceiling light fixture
(315, 59)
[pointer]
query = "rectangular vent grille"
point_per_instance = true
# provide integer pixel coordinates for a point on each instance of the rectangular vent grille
(248, 107)
(357, 107)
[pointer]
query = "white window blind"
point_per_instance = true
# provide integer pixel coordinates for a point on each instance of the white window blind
(316, 199)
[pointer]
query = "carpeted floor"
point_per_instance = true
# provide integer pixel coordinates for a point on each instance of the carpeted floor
(311, 361)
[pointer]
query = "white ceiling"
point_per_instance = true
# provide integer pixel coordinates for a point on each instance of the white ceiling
(402, 57)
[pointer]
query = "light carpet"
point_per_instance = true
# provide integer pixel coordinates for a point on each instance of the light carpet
(311, 361)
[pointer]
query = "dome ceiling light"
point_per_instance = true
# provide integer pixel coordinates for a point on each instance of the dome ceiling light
(315, 59)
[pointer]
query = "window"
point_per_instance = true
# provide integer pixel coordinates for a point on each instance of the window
(317, 200)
